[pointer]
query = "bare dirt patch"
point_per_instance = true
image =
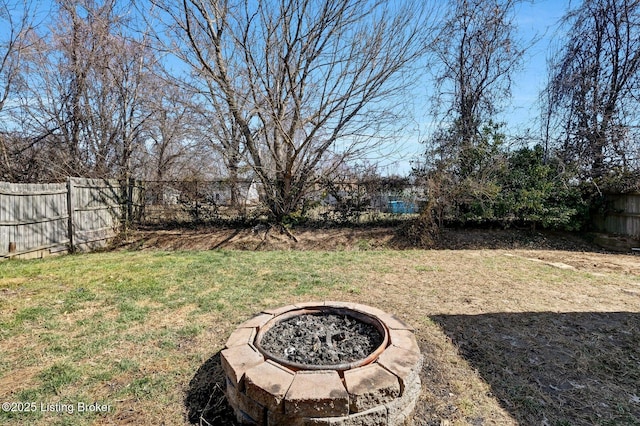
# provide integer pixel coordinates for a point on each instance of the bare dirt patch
(345, 238)
(260, 238)
(587, 261)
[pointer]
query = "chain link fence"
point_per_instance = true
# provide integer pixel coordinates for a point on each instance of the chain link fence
(342, 201)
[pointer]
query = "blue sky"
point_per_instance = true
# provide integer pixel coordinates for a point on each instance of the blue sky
(541, 19)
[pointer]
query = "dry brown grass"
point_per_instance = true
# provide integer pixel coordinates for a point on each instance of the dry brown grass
(509, 340)
(519, 336)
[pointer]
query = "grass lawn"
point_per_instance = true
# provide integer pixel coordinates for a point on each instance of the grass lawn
(507, 338)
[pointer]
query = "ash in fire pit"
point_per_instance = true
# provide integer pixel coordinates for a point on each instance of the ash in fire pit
(321, 339)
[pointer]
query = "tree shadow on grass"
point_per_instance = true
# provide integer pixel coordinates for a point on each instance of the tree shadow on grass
(205, 400)
(555, 368)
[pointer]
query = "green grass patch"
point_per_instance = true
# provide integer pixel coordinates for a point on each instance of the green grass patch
(190, 331)
(147, 387)
(32, 314)
(57, 376)
(124, 365)
(130, 312)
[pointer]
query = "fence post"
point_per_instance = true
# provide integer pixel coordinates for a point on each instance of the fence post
(130, 202)
(128, 207)
(197, 203)
(70, 209)
(137, 208)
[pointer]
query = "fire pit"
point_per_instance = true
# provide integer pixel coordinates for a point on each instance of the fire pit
(323, 363)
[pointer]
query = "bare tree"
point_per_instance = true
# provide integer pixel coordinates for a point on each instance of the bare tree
(17, 23)
(58, 75)
(478, 52)
(593, 92)
(170, 135)
(300, 79)
(89, 85)
(225, 137)
(133, 74)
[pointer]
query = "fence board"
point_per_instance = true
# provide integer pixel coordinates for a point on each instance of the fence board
(36, 218)
(96, 211)
(622, 217)
(30, 218)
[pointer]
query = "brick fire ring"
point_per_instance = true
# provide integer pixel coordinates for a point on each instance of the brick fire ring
(381, 389)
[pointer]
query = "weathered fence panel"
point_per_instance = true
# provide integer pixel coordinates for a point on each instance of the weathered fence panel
(620, 223)
(96, 208)
(82, 214)
(33, 217)
(623, 215)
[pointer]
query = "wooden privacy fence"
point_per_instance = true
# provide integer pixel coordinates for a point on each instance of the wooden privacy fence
(620, 223)
(623, 215)
(81, 214)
